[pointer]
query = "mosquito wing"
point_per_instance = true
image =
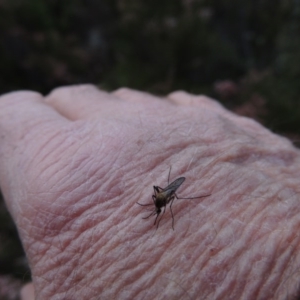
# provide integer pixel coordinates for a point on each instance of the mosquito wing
(173, 186)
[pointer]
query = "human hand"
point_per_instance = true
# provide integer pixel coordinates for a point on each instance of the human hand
(74, 164)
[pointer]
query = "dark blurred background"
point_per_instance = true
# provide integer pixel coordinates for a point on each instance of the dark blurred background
(245, 53)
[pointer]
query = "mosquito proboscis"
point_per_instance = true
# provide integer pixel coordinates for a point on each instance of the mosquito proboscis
(163, 196)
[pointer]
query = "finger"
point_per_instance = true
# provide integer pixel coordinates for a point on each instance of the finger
(186, 99)
(80, 102)
(134, 96)
(25, 120)
(27, 292)
(22, 112)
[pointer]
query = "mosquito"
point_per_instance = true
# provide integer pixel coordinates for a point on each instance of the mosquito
(163, 196)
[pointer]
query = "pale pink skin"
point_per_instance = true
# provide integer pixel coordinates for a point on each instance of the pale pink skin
(74, 164)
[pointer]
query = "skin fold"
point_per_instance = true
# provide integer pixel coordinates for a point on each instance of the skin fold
(73, 165)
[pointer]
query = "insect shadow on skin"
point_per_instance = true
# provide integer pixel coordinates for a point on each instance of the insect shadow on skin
(163, 196)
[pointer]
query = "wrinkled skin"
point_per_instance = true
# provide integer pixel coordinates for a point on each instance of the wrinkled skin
(74, 164)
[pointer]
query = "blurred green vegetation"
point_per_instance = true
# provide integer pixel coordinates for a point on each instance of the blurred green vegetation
(159, 46)
(245, 53)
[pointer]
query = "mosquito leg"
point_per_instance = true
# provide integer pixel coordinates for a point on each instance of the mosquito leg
(154, 199)
(172, 200)
(193, 197)
(155, 221)
(160, 217)
(158, 221)
(169, 175)
(153, 213)
(143, 204)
